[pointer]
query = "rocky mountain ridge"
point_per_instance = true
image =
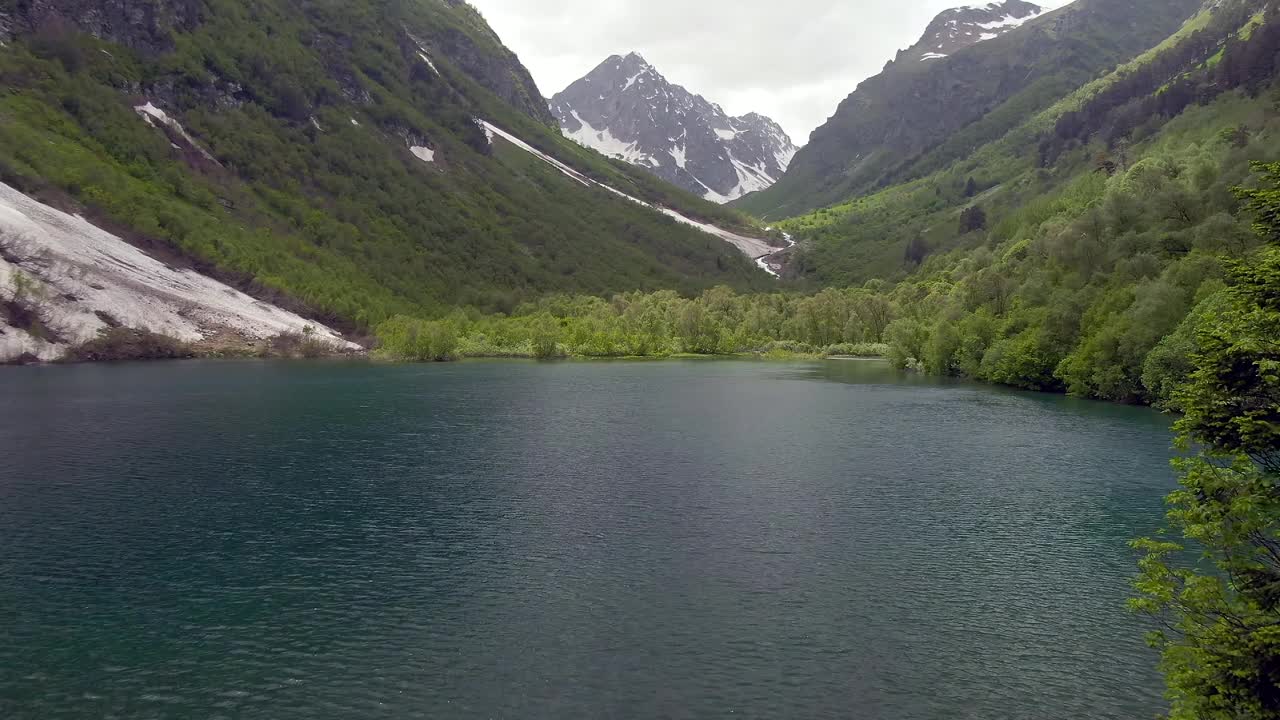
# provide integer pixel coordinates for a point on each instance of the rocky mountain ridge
(626, 109)
(149, 28)
(958, 28)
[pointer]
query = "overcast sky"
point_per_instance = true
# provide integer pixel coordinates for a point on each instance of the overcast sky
(793, 60)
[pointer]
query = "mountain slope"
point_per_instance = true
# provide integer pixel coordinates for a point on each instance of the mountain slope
(884, 127)
(65, 282)
(1072, 252)
(1085, 134)
(331, 153)
(1094, 277)
(626, 109)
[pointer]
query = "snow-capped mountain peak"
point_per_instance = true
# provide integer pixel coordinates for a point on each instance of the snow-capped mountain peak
(956, 29)
(626, 109)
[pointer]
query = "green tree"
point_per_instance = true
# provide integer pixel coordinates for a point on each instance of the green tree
(973, 219)
(406, 338)
(1237, 137)
(546, 338)
(1221, 638)
(1264, 201)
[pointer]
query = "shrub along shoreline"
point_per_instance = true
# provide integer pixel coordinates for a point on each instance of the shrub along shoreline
(651, 325)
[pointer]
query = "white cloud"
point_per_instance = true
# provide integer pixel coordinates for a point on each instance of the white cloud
(793, 61)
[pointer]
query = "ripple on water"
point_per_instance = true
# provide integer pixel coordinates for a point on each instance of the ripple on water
(567, 540)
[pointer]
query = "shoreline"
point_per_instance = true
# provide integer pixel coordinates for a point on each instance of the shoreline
(374, 357)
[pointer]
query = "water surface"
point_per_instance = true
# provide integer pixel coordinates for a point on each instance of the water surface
(603, 540)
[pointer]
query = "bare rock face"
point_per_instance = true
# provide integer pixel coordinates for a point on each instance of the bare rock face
(148, 27)
(144, 25)
(496, 68)
(627, 110)
(956, 29)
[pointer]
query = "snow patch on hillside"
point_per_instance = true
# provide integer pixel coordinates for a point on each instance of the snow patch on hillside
(424, 154)
(713, 196)
(771, 263)
(680, 155)
(1009, 22)
(426, 59)
(785, 156)
(85, 276)
(154, 115)
(1005, 24)
(752, 247)
(603, 142)
(494, 130)
(751, 178)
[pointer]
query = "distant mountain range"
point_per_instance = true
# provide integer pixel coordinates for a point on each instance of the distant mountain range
(626, 109)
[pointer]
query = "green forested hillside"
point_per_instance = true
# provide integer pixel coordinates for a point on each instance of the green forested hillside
(915, 117)
(1067, 254)
(308, 111)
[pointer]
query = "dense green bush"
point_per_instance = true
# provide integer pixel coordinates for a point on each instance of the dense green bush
(1219, 618)
(1092, 294)
(407, 338)
(661, 324)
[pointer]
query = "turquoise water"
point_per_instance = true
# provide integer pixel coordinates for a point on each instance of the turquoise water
(607, 540)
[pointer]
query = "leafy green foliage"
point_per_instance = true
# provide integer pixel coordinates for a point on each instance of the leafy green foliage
(661, 324)
(1232, 401)
(1092, 299)
(1264, 202)
(1221, 645)
(406, 338)
(1019, 178)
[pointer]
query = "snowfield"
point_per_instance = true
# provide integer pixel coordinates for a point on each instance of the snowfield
(753, 248)
(425, 154)
(154, 115)
(427, 59)
(768, 263)
(85, 277)
(605, 143)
